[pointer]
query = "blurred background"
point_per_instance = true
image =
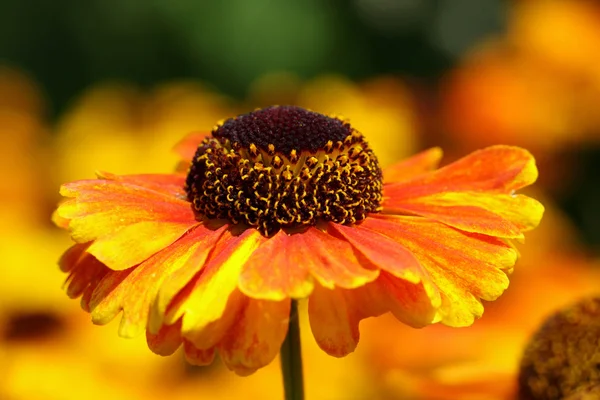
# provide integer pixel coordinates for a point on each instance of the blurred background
(113, 85)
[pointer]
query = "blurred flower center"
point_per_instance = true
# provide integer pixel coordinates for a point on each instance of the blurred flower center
(284, 167)
(32, 326)
(563, 357)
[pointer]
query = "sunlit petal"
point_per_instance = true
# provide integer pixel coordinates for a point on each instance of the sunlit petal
(465, 267)
(332, 261)
(333, 322)
(166, 341)
(474, 194)
(197, 356)
(383, 252)
(256, 337)
(277, 270)
(135, 293)
(141, 221)
(205, 298)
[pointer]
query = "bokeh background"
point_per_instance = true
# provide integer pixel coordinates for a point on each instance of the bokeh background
(113, 84)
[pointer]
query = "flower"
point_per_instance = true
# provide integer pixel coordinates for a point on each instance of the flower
(562, 358)
(284, 203)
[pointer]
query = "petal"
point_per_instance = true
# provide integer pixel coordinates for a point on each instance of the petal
(383, 252)
(335, 314)
(59, 221)
(68, 261)
(169, 184)
(135, 243)
(205, 298)
(276, 270)
(109, 282)
(87, 271)
(211, 334)
(522, 211)
(136, 291)
(461, 216)
(500, 169)
(412, 304)
(501, 215)
(332, 261)
(415, 305)
(187, 147)
(127, 222)
(255, 339)
(178, 278)
(425, 161)
(474, 194)
(166, 341)
(200, 357)
(465, 267)
(97, 278)
(333, 321)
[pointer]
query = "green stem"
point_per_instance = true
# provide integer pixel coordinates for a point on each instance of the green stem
(291, 358)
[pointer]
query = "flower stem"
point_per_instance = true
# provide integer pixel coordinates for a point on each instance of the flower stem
(291, 358)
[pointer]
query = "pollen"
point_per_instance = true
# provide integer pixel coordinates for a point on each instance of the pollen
(284, 167)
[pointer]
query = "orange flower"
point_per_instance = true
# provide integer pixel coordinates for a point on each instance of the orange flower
(561, 360)
(282, 204)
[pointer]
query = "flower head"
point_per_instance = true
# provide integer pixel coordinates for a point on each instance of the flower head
(283, 203)
(284, 167)
(562, 359)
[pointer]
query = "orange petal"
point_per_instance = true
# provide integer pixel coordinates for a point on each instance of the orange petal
(462, 216)
(474, 194)
(136, 291)
(87, 271)
(178, 278)
(335, 314)
(59, 221)
(276, 270)
(187, 147)
(415, 305)
(197, 356)
(465, 267)
(97, 278)
(211, 334)
(205, 298)
(256, 337)
(425, 161)
(333, 321)
(500, 169)
(127, 222)
(332, 261)
(499, 215)
(169, 184)
(68, 261)
(383, 252)
(523, 212)
(166, 341)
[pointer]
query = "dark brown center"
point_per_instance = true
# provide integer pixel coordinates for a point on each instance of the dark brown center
(284, 167)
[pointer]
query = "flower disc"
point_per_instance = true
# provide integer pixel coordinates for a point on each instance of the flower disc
(284, 167)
